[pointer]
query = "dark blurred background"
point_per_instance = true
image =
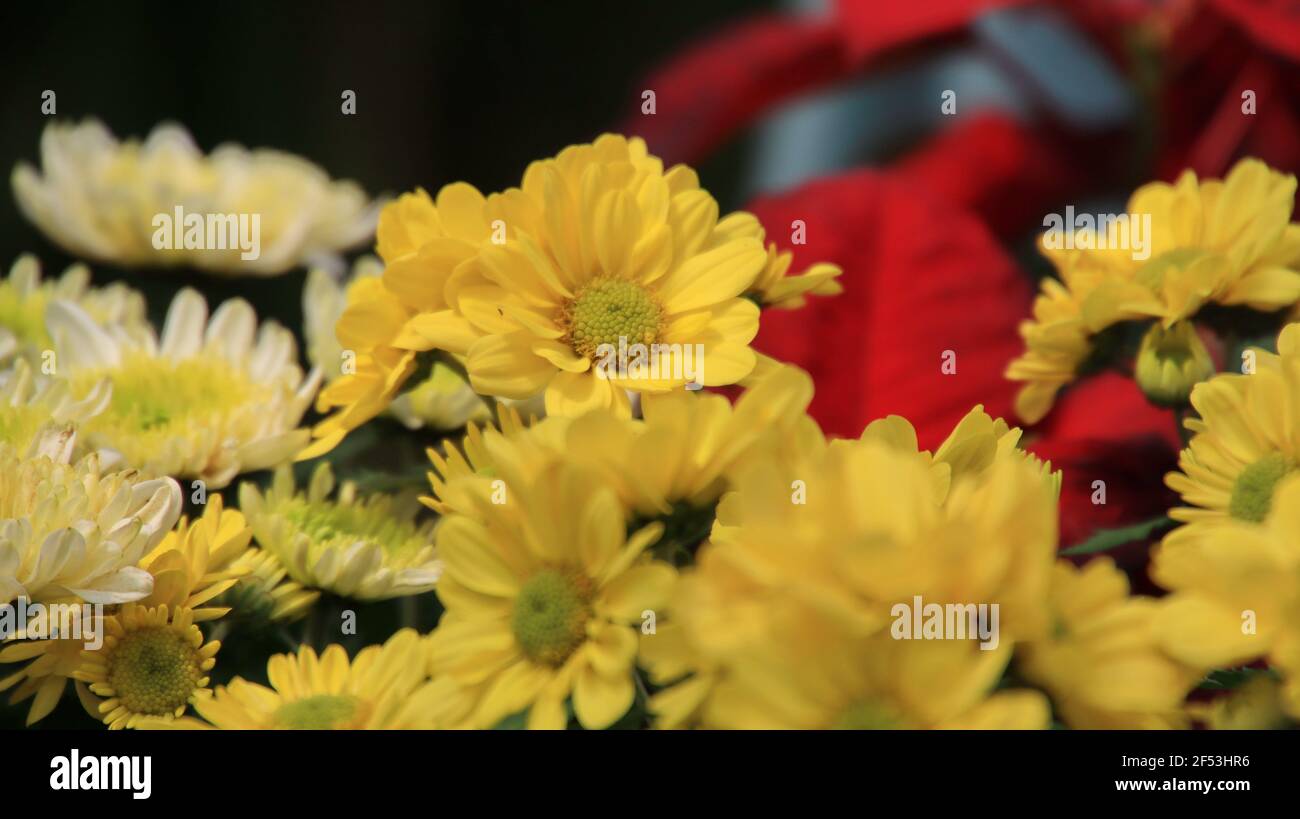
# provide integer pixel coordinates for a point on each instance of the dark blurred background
(446, 91)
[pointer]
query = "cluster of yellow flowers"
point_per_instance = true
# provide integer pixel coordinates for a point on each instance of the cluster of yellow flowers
(611, 546)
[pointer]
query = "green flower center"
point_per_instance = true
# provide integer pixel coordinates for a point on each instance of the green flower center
(154, 671)
(322, 712)
(607, 310)
(868, 716)
(24, 316)
(371, 520)
(157, 395)
(550, 616)
(1252, 494)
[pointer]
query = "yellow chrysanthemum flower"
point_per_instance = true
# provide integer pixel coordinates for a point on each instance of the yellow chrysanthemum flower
(51, 647)
(98, 198)
(1255, 706)
(213, 398)
(599, 246)
(24, 297)
(1100, 662)
(1242, 445)
(543, 599)
(30, 405)
(382, 688)
(773, 287)
(443, 400)
(787, 566)
(264, 592)
(1227, 242)
(69, 529)
(388, 319)
(1236, 592)
(672, 465)
(362, 547)
(196, 562)
(834, 679)
(152, 665)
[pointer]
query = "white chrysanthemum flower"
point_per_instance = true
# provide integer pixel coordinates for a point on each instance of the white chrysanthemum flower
(443, 400)
(29, 404)
(212, 399)
(24, 297)
(97, 197)
(69, 529)
(365, 548)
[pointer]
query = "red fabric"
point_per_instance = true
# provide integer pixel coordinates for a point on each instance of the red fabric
(871, 26)
(1103, 429)
(920, 278)
(709, 91)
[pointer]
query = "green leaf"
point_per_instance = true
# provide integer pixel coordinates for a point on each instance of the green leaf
(1107, 539)
(1229, 678)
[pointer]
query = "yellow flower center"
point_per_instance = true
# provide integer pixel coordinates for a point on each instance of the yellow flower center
(155, 671)
(322, 712)
(1252, 494)
(607, 310)
(550, 616)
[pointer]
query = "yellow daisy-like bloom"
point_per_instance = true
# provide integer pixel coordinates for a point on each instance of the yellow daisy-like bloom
(51, 647)
(599, 246)
(388, 319)
(152, 665)
(69, 529)
(196, 562)
(833, 679)
(1236, 592)
(773, 287)
(543, 599)
(674, 462)
(1255, 706)
(1101, 663)
(264, 592)
(213, 398)
(787, 567)
(1227, 242)
(606, 248)
(24, 297)
(1243, 444)
(365, 548)
(382, 688)
(30, 405)
(98, 198)
(443, 400)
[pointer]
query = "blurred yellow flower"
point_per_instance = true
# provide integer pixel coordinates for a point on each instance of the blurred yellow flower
(98, 198)
(24, 297)
(1228, 242)
(1236, 592)
(1100, 662)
